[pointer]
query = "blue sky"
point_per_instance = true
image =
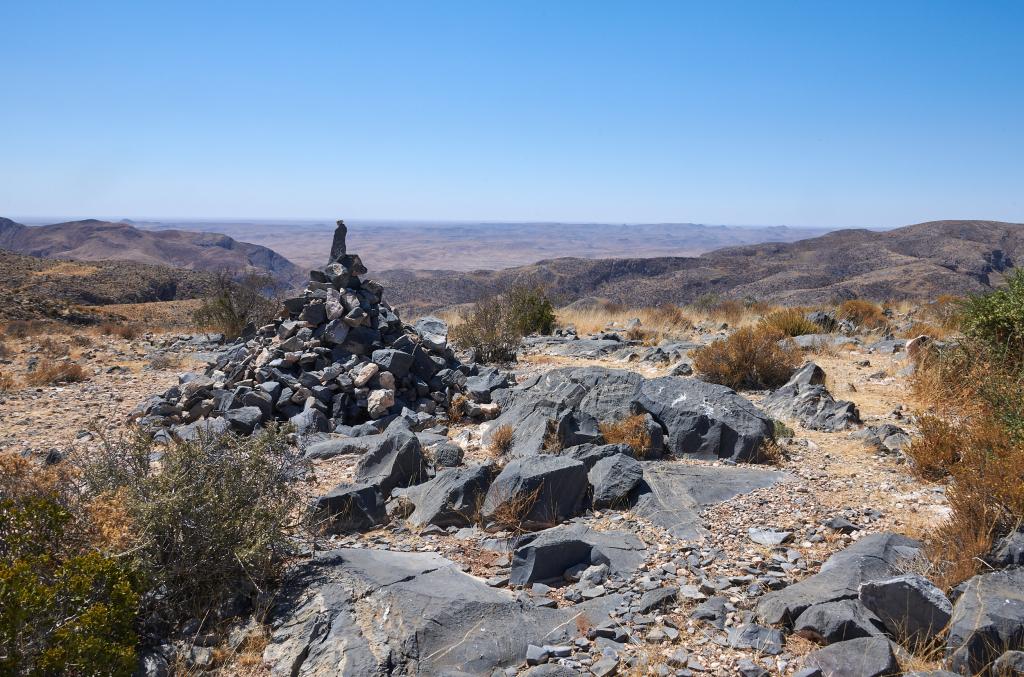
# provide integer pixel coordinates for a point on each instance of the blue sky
(800, 113)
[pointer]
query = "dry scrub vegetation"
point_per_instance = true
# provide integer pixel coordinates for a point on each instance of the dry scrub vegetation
(53, 372)
(974, 435)
(631, 431)
(750, 358)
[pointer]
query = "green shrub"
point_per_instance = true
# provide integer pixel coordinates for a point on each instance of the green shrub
(997, 319)
(492, 329)
(65, 607)
(210, 524)
(751, 357)
(529, 310)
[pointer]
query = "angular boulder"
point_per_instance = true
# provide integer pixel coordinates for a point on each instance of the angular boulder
(910, 606)
(838, 621)
(349, 507)
(863, 657)
(804, 398)
(396, 460)
(547, 554)
(874, 557)
(536, 492)
(452, 498)
(987, 621)
(613, 479)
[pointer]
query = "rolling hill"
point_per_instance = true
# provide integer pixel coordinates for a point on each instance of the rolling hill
(93, 240)
(917, 261)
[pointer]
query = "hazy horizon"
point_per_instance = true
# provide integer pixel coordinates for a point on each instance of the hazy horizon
(801, 113)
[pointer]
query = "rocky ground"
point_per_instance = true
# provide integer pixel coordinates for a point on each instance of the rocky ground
(669, 601)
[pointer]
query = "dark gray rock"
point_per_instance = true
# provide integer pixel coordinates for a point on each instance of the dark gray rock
(433, 332)
(309, 421)
(1009, 551)
(548, 554)
(748, 668)
(396, 460)
(705, 420)
(673, 494)
(244, 420)
(804, 398)
(873, 557)
(824, 319)
(652, 600)
(712, 611)
(988, 620)
(209, 428)
(350, 507)
(613, 479)
(1010, 664)
(589, 454)
(910, 606)
(363, 613)
(448, 455)
(452, 498)
(479, 388)
(342, 446)
(863, 657)
(759, 638)
(395, 361)
(839, 621)
(537, 491)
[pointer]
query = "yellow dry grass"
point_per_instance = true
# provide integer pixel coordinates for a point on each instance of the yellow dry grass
(66, 269)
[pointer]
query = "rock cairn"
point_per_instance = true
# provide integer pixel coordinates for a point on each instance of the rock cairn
(338, 357)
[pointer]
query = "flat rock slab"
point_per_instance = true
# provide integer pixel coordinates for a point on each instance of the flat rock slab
(357, 612)
(673, 494)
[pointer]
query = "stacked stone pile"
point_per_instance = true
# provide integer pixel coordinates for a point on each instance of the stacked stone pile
(338, 357)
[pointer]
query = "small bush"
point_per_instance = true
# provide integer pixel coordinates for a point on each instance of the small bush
(864, 314)
(749, 358)
(790, 322)
(54, 372)
(67, 607)
(5, 351)
(235, 303)
(492, 330)
(924, 328)
(53, 348)
(631, 430)
(529, 310)
(211, 522)
(997, 319)
(934, 452)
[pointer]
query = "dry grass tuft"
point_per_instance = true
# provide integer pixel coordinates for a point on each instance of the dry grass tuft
(926, 329)
(54, 372)
(121, 330)
(864, 314)
(7, 382)
(790, 322)
(632, 431)
(552, 442)
(501, 441)
(513, 513)
(53, 348)
(656, 323)
(457, 408)
(749, 358)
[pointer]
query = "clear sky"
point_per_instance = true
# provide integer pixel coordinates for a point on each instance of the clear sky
(767, 112)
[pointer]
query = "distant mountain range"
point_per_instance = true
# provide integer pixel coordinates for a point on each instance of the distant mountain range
(918, 261)
(93, 240)
(451, 245)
